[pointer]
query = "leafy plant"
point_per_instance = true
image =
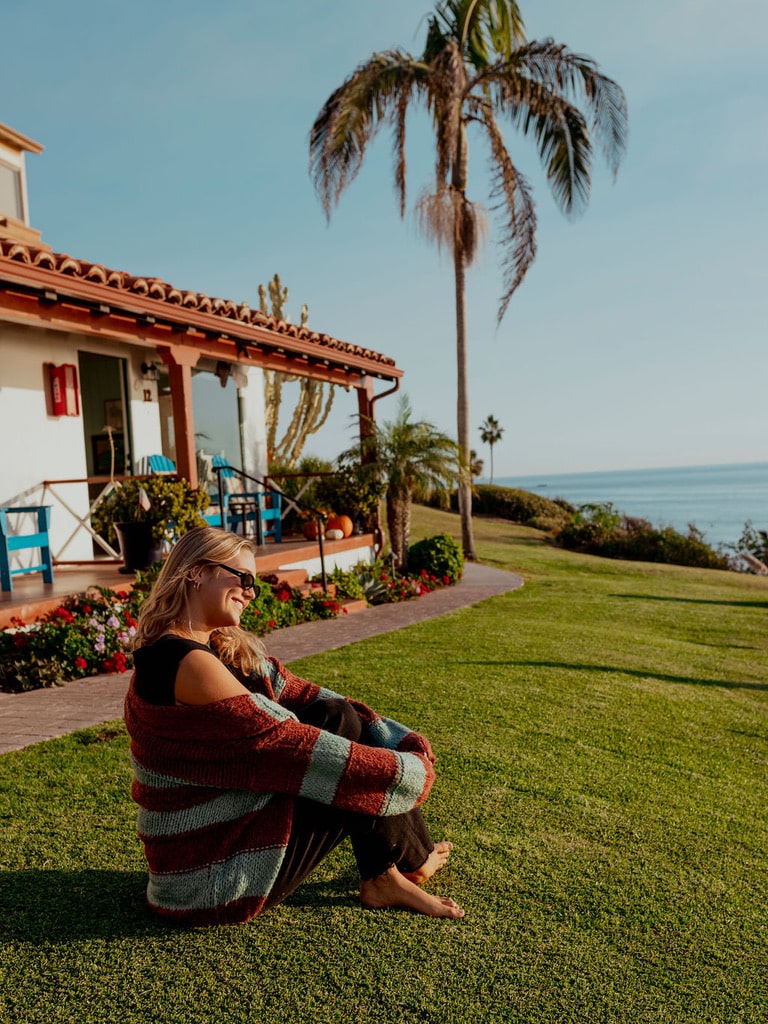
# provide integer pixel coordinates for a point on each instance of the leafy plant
(440, 556)
(355, 490)
(170, 505)
(413, 457)
(600, 529)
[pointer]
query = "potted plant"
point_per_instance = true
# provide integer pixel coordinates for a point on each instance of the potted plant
(142, 513)
(357, 490)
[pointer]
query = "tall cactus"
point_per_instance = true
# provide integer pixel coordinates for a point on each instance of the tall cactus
(313, 406)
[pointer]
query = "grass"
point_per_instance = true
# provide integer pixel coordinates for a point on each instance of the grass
(602, 740)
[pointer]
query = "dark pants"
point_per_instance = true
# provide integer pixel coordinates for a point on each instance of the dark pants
(378, 843)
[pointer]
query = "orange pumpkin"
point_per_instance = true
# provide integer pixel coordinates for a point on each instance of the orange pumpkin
(343, 523)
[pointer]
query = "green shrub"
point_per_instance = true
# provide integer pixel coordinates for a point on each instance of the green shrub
(601, 530)
(522, 507)
(439, 556)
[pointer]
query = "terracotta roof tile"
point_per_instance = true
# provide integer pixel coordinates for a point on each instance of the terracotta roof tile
(156, 289)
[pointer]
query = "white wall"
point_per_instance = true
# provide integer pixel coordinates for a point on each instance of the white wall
(38, 446)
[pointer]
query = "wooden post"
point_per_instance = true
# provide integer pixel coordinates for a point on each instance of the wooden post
(366, 416)
(180, 361)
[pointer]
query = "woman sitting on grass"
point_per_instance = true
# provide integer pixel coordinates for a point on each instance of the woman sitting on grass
(246, 776)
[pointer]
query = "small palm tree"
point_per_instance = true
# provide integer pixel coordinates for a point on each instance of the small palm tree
(477, 71)
(476, 464)
(414, 457)
(490, 433)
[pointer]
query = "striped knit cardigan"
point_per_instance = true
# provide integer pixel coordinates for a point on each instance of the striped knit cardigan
(215, 785)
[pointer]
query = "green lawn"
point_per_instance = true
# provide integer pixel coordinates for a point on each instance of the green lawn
(602, 741)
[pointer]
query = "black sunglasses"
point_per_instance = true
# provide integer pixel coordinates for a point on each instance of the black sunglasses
(247, 579)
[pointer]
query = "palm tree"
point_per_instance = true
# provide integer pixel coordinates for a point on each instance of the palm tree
(414, 457)
(476, 68)
(490, 433)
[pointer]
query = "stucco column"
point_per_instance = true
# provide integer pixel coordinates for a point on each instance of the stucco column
(253, 431)
(180, 361)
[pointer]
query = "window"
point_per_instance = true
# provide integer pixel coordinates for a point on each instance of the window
(10, 192)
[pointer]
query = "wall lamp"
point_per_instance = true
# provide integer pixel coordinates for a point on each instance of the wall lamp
(150, 371)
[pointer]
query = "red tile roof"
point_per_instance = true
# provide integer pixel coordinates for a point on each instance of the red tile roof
(153, 294)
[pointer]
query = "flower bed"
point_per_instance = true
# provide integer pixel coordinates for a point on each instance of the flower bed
(91, 634)
(86, 635)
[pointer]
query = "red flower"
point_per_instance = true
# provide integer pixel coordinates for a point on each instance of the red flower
(345, 611)
(20, 640)
(81, 663)
(118, 663)
(447, 580)
(87, 609)
(271, 623)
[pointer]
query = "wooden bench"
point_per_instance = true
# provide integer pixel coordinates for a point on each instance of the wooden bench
(10, 542)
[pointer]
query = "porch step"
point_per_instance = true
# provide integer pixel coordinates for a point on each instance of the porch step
(293, 577)
(352, 605)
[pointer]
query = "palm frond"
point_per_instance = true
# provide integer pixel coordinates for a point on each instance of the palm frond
(548, 69)
(514, 201)
(485, 30)
(351, 117)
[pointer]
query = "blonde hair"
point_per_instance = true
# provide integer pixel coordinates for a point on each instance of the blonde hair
(167, 601)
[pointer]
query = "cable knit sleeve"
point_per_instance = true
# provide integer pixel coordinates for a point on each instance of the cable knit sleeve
(256, 744)
(295, 693)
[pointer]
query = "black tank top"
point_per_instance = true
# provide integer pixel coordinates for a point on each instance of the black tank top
(156, 667)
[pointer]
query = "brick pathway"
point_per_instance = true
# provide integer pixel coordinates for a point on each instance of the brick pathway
(27, 718)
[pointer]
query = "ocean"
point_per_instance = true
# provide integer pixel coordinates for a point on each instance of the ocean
(718, 500)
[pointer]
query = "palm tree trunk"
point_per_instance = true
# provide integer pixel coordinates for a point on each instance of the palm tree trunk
(459, 183)
(462, 406)
(399, 526)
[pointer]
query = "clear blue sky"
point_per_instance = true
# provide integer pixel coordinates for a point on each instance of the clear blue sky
(176, 146)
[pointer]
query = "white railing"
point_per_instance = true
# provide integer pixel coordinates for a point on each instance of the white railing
(49, 493)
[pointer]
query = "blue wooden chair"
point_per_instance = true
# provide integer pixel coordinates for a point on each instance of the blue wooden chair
(18, 542)
(157, 464)
(262, 508)
(244, 509)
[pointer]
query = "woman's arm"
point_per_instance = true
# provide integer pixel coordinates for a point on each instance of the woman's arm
(295, 693)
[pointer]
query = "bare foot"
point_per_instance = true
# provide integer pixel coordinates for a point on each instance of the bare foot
(433, 863)
(392, 889)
